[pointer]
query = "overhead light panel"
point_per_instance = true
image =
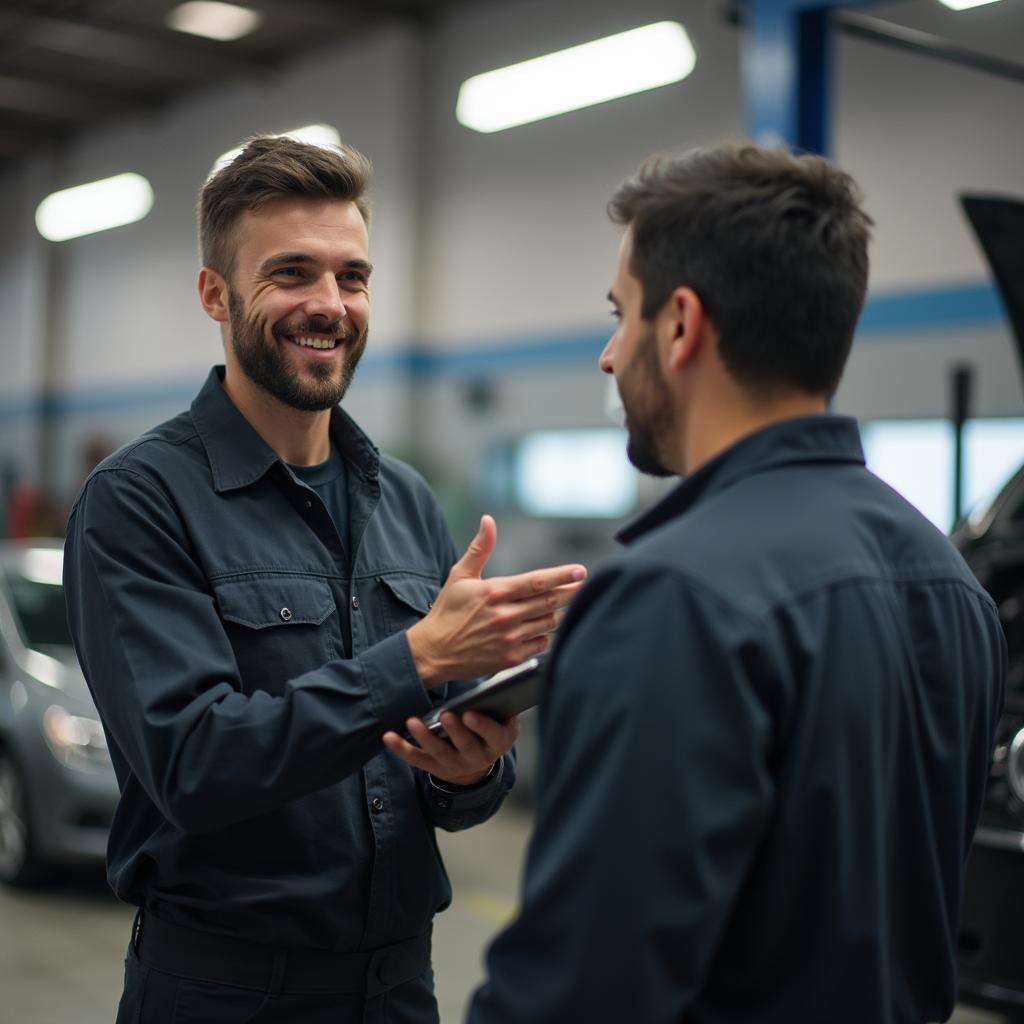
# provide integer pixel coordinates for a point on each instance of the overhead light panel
(96, 206)
(963, 5)
(582, 76)
(213, 20)
(323, 135)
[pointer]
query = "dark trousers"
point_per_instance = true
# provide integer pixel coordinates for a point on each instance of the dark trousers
(153, 995)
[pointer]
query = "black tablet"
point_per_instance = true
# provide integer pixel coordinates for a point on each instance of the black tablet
(501, 696)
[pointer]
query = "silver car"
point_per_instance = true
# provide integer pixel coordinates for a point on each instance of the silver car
(57, 786)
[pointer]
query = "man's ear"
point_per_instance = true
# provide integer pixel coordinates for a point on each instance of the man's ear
(686, 322)
(213, 294)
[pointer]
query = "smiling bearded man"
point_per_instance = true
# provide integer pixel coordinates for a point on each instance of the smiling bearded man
(261, 601)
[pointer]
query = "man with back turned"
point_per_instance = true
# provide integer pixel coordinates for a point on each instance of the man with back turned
(260, 600)
(767, 724)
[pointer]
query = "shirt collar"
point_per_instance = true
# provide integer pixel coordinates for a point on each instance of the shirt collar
(824, 438)
(239, 456)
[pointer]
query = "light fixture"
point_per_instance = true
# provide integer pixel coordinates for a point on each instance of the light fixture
(96, 206)
(581, 76)
(323, 135)
(214, 20)
(963, 5)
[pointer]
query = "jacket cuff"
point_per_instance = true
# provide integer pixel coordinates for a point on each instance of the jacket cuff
(394, 686)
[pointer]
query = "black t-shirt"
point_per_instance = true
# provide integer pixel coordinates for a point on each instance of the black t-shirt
(330, 480)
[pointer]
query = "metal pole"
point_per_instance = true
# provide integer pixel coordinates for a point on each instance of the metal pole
(961, 378)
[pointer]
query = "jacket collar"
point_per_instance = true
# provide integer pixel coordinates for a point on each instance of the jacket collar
(825, 438)
(239, 456)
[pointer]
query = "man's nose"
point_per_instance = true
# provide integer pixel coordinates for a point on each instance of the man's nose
(325, 300)
(604, 361)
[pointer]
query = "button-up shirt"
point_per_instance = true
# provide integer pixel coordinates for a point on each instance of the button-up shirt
(764, 742)
(205, 585)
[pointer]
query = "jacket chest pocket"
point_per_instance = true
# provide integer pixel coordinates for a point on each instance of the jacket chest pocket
(279, 627)
(404, 600)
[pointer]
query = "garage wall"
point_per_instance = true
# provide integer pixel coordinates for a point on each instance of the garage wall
(493, 252)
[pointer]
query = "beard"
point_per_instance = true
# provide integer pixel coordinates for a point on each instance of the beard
(262, 358)
(647, 403)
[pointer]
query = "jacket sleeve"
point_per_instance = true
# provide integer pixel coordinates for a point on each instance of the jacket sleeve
(654, 787)
(165, 680)
(457, 808)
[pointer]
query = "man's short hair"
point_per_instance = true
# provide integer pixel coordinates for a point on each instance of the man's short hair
(274, 167)
(775, 246)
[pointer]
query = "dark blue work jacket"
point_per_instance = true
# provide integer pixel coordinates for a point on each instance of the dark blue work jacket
(205, 584)
(764, 741)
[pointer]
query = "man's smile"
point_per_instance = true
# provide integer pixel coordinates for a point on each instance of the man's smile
(317, 341)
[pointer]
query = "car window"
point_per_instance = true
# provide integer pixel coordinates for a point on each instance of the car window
(39, 610)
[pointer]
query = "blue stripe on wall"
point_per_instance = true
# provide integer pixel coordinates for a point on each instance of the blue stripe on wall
(916, 312)
(930, 309)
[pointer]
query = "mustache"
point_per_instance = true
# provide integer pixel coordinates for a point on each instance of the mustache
(339, 329)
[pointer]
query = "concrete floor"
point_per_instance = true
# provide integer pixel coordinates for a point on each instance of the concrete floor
(61, 948)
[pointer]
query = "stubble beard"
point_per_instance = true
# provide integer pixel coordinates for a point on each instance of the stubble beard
(648, 407)
(261, 356)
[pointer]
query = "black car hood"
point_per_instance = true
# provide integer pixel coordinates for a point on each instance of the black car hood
(998, 223)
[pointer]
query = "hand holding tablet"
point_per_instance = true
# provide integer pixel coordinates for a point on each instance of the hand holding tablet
(500, 696)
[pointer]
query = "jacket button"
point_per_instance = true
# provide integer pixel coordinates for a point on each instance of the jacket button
(377, 804)
(286, 614)
(355, 602)
(308, 503)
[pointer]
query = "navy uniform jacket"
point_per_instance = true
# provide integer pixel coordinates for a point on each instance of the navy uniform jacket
(205, 586)
(764, 742)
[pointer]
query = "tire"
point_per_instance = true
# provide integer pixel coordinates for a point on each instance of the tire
(19, 863)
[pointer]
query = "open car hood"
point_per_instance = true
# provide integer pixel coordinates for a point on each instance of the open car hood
(998, 223)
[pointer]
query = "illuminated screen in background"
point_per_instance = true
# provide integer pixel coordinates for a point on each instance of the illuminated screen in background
(575, 473)
(916, 458)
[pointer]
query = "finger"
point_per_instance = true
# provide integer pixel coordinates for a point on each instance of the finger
(539, 582)
(406, 751)
(497, 737)
(539, 626)
(536, 607)
(466, 741)
(471, 564)
(432, 744)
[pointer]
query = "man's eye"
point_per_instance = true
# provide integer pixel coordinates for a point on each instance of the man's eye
(288, 272)
(616, 313)
(354, 275)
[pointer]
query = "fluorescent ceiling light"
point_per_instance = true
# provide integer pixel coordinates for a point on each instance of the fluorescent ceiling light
(224, 22)
(322, 135)
(963, 5)
(594, 72)
(96, 206)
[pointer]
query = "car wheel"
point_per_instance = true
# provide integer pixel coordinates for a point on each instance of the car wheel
(18, 863)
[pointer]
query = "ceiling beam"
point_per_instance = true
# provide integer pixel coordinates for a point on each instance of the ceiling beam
(58, 104)
(142, 49)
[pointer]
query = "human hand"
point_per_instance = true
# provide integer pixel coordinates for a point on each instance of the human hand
(479, 626)
(475, 741)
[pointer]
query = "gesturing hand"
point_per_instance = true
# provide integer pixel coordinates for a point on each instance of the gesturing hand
(474, 743)
(479, 626)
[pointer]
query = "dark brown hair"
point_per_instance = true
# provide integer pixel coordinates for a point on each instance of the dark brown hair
(272, 167)
(774, 244)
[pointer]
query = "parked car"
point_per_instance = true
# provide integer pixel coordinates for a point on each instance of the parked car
(57, 785)
(991, 951)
